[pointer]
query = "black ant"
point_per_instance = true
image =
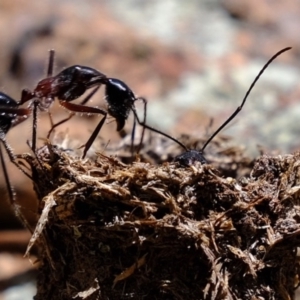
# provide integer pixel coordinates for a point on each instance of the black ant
(70, 84)
(67, 86)
(191, 156)
(11, 115)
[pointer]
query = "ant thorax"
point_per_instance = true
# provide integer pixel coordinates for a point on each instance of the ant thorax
(72, 82)
(45, 103)
(43, 94)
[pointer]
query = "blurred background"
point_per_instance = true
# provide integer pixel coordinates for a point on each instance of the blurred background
(192, 60)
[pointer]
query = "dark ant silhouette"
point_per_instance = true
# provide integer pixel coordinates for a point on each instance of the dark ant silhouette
(120, 102)
(11, 115)
(190, 156)
(67, 86)
(73, 82)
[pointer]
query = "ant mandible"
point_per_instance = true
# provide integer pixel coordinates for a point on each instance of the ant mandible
(189, 157)
(73, 82)
(11, 115)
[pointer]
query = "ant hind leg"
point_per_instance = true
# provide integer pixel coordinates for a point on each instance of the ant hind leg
(11, 155)
(12, 194)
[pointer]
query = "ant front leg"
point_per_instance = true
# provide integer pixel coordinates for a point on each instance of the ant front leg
(34, 125)
(136, 119)
(10, 153)
(87, 110)
(53, 126)
(12, 194)
(26, 96)
(133, 137)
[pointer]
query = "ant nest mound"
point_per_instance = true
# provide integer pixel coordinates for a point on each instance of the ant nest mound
(109, 230)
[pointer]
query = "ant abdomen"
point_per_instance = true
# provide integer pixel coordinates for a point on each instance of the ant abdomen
(6, 119)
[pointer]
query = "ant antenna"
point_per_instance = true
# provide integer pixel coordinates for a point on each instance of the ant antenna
(50, 63)
(191, 156)
(245, 97)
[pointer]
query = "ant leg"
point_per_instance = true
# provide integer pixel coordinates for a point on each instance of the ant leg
(59, 123)
(50, 63)
(90, 95)
(92, 138)
(19, 120)
(26, 96)
(157, 131)
(50, 118)
(133, 136)
(144, 122)
(34, 126)
(12, 194)
(11, 155)
(88, 110)
(84, 101)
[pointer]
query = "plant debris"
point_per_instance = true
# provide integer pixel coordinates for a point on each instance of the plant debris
(110, 230)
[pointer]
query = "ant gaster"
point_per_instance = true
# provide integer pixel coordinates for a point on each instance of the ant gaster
(70, 84)
(191, 156)
(11, 115)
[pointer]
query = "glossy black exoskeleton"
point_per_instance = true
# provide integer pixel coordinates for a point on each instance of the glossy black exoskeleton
(189, 157)
(68, 85)
(10, 115)
(73, 82)
(120, 100)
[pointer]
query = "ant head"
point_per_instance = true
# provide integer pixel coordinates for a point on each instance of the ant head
(120, 100)
(191, 156)
(6, 118)
(118, 91)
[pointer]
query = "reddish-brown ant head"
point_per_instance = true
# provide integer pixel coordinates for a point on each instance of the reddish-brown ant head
(120, 100)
